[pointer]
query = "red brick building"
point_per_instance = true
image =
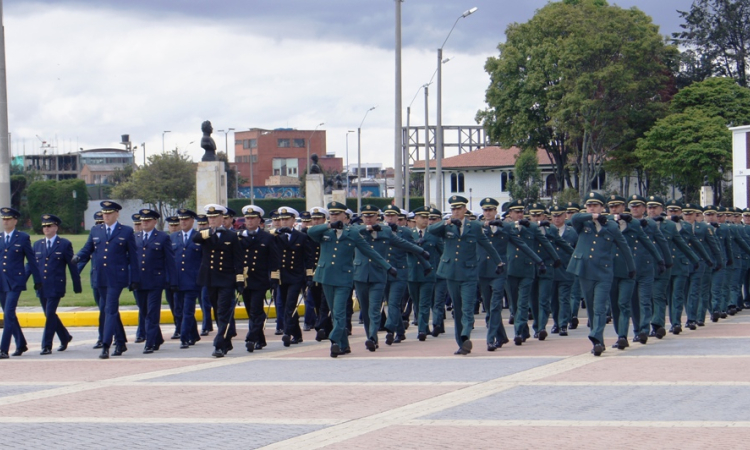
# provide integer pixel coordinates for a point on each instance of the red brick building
(280, 155)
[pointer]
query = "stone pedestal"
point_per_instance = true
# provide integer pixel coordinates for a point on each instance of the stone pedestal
(314, 190)
(338, 196)
(210, 184)
(707, 195)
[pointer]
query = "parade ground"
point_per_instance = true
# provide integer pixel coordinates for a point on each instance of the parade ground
(687, 391)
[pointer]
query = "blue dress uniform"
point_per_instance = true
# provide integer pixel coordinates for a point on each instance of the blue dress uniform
(170, 294)
(421, 286)
(295, 264)
(335, 273)
(157, 270)
(563, 281)
(221, 273)
(112, 250)
(706, 239)
(311, 311)
(53, 255)
(260, 258)
(187, 256)
(593, 263)
(15, 246)
(98, 220)
(460, 267)
(491, 284)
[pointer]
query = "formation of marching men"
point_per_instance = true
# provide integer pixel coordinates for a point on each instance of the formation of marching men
(633, 262)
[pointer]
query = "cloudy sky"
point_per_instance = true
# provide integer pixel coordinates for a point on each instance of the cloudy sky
(81, 73)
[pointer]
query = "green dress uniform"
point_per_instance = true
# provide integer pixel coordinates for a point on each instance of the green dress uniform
(718, 278)
(459, 266)
(706, 239)
(593, 263)
(741, 252)
(541, 299)
(421, 285)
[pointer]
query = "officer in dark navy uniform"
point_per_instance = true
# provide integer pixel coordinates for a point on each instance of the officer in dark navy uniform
(173, 226)
(207, 324)
(98, 220)
(53, 254)
(187, 255)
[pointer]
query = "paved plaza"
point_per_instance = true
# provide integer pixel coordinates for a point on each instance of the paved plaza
(688, 391)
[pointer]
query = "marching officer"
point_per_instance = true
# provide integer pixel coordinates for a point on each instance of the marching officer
(53, 254)
(337, 245)
(173, 225)
(741, 251)
(592, 262)
(441, 285)
(459, 266)
(705, 236)
(111, 248)
(16, 247)
(310, 310)
(221, 273)
(323, 324)
(718, 278)
(421, 285)
(563, 280)
(260, 258)
(188, 256)
(207, 324)
(98, 220)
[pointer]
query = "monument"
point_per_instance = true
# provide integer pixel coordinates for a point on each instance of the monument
(211, 177)
(314, 187)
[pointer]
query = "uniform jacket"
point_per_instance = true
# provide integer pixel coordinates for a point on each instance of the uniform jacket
(740, 248)
(295, 258)
(430, 243)
(156, 260)
(459, 259)
(707, 238)
(519, 264)
(383, 242)
(570, 236)
(559, 245)
(682, 255)
(221, 262)
(187, 259)
(396, 256)
(114, 261)
(337, 254)
(260, 258)
(51, 266)
(13, 276)
(645, 253)
(593, 258)
(500, 237)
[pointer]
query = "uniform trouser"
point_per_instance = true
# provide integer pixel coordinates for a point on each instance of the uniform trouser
(101, 313)
(540, 303)
(694, 291)
(741, 281)
(337, 297)
(596, 293)
(142, 303)
(152, 298)
(109, 301)
(9, 302)
(464, 294)
(575, 297)
(289, 293)
(208, 323)
(621, 296)
(520, 292)
(311, 308)
(222, 301)
(560, 303)
(730, 276)
(394, 292)
(370, 296)
(717, 286)
(641, 306)
(52, 323)
(493, 290)
(278, 301)
(188, 326)
(661, 286)
(324, 321)
(704, 302)
(746, 283)
(349, 309)
(255, 306)
(735, 285)
(438, 306)
(177, 309)
(421, 293)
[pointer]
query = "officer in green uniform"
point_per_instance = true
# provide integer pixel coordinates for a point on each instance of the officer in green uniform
(593, 261)
(422, 282)
(718, 278)
(334, 269)
(706, 239)
(441, 286)
(572, 209)
(563, 285)
(746, 278)
(741, 251)
(459, 266)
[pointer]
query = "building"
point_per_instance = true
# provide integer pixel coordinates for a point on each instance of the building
(51, 167)
(93, 166)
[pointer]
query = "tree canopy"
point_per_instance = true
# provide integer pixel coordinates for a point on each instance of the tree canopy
(526, 183)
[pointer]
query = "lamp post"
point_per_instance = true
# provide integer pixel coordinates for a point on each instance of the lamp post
(439, 125)
(143, 146)
(347, 161)
(226, 145)
(307, 163)
(359, 160)
(400, 182)
(162, 139)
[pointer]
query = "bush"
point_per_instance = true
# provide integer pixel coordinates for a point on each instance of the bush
(56, 197)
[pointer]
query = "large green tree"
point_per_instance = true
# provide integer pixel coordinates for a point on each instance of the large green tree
(527, 182)
(581, 80)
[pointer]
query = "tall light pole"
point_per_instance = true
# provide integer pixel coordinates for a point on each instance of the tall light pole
(307, 164)
(400, 180)
(162, 139)
(359, 161)
(347, 161)
(4, 135)
(439, 151)
(226, 145)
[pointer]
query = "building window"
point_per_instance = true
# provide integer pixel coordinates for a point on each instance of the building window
(598, 182)
(249, 143)
(283, 143)
(298, 143)
(457, 182)
(286, 167)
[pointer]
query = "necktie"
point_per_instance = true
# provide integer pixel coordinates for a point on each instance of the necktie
(145, 238)
(184, 238)
(420, 234)
(7, 239)
(49, 245)
(109, 232)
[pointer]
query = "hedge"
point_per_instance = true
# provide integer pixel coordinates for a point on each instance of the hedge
(269, 204)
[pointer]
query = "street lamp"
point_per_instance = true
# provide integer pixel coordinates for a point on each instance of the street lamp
(226, 148)
(307, 164)
(439, 151)
(347, 161)
(400, 182)
(162, 139)
(359, 160)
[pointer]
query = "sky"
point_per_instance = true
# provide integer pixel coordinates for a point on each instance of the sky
(82, 73)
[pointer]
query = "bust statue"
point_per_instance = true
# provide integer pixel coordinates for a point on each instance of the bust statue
(207, 142)
(314, 167)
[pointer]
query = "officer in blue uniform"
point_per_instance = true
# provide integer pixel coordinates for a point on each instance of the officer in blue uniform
(311, 312)
(140, 330)
(187, 256)
(592, 262)
(52, 255)
(175, 307)
(98, 220)
(111, 248)
(741, 251)
(16, 247)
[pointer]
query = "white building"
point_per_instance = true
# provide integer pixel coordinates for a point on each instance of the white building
(740, 165)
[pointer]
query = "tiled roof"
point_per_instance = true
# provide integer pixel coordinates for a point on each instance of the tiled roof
(484, 158)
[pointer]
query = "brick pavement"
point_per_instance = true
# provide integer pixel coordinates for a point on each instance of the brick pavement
(687, 391)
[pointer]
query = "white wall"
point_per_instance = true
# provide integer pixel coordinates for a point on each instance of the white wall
(740, 172)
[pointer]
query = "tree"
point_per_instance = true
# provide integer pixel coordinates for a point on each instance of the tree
(717, 33)
(526, 183)
(717, 97)
(56, 197)
(166, 183)
(581, 79)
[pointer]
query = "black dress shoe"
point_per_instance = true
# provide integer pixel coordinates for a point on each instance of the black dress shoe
(543, 335)
(184, 345)
(732, 310)
(347, 350)
(388, 338)
(406, 324)
(466, 347)
(98, 344)
(518, 340)
(119, 350)
(691, 325)
(622, 343)
(701, 324)
(278, 332)
(176, 335)
(335, 350)
(536, 335)
(64, 345)
(422, 336)
(4, 355)
(573, 323)
(435, 331)
(139, 340)
(361, 321)
(46, 351)
(204, 333)
(399, 339)
(643, 337)
(511, 320)
(563, 331)
(20, 351)
(370, 345)
(320, 335)
(259, 346)
(555, 329)
(598, 350)
(148, 350)
(296, 340)
(609, 319)
(218, 353)
(287, 340)
(249, 346)
(306, 327)
(491, 347)
(677, 329)
(723, 315)
(348, 332)
(660, 332)
(105, 353)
